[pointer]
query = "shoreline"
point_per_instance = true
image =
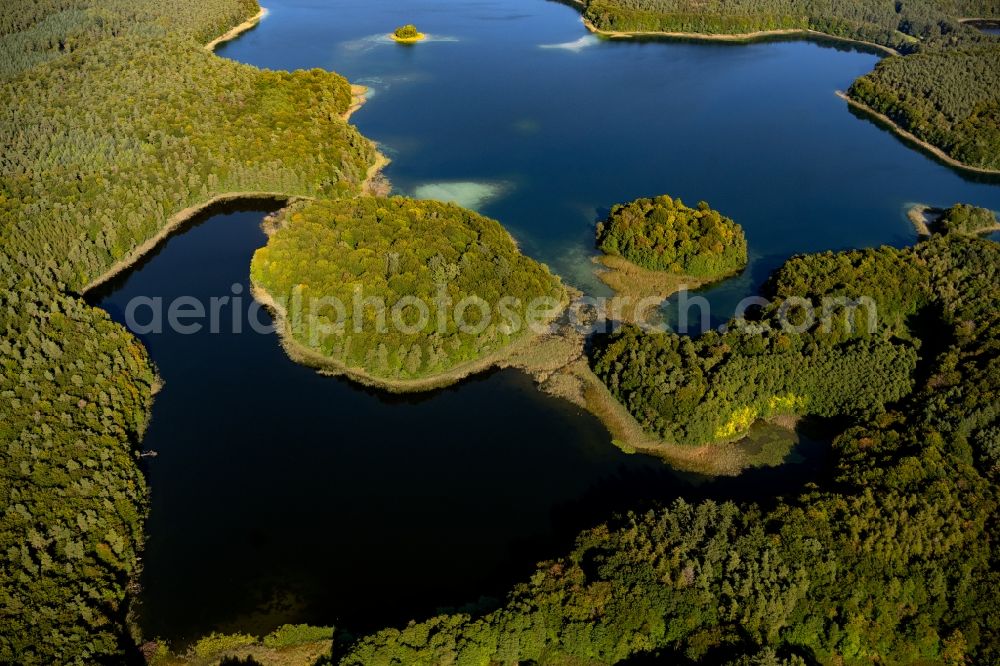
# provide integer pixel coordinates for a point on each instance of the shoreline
(505, 357)
(556, 361)
(375, 183)
(747, 37)
(916, 215)
(912, 138)
(919, 213)
(236, 31)
(176, 221)
(359, 97)
(631, 282)
(725, 458)
(419, 37)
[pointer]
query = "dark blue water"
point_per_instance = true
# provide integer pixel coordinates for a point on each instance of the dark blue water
(279, 495)
(563, 133)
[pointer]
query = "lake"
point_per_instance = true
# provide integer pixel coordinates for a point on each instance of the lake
(279, 495)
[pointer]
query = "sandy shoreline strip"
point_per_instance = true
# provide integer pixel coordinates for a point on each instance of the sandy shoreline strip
(359, 96)
(934, 150)
(736, 37)
(916, 215)
(234, 32)
(505, 357)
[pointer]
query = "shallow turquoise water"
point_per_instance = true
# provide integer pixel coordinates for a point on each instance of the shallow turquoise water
(517, 95)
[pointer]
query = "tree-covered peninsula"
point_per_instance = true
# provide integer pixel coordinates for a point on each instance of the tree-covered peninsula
(957, 219)
(116, 125)
(829, 362)
(427, 291)
(948, 98)
(892, 560)
(942, 90)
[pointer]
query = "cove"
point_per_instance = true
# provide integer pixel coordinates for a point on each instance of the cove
(562, 134)
(280, 495)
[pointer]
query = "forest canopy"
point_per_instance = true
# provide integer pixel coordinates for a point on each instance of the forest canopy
(662, 234)
(948, 98)
(403, 254)
(966, 219)
(944, 90)
(892, 561)
(405, 33)
(115, 119)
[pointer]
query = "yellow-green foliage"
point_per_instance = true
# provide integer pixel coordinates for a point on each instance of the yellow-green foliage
(102, 146)
(662, 234)
(293, 634)
(393, 249)
(74, 398)
(892, 562)
(114, 118)
(215, 644)
(36, 31)
(713, 387)
(408, 31)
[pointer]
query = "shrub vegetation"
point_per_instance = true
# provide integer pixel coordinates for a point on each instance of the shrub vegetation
(408, 31)
(400, 251)
(662, 234)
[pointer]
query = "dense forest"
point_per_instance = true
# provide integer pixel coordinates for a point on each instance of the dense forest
(399, 252)
(899, 25)
(966, 219)
(893, 561)
(949, 98)
(944, 90)
(662, 234)
(114, 118)
(783, 361)
(36, 31)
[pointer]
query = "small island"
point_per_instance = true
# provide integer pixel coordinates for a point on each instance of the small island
(652, 246)
(958, 219)
(407, 34)
(398, 293)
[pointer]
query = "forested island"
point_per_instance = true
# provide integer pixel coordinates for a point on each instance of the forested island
(407, 34)
(413, 278)
(957, 219)
(892, 562)
(119, 124)
(652, 246)
(942, 91)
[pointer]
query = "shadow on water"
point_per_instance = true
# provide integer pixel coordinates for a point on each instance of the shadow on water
(965, 174)
(262, 205)
(280, 495)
